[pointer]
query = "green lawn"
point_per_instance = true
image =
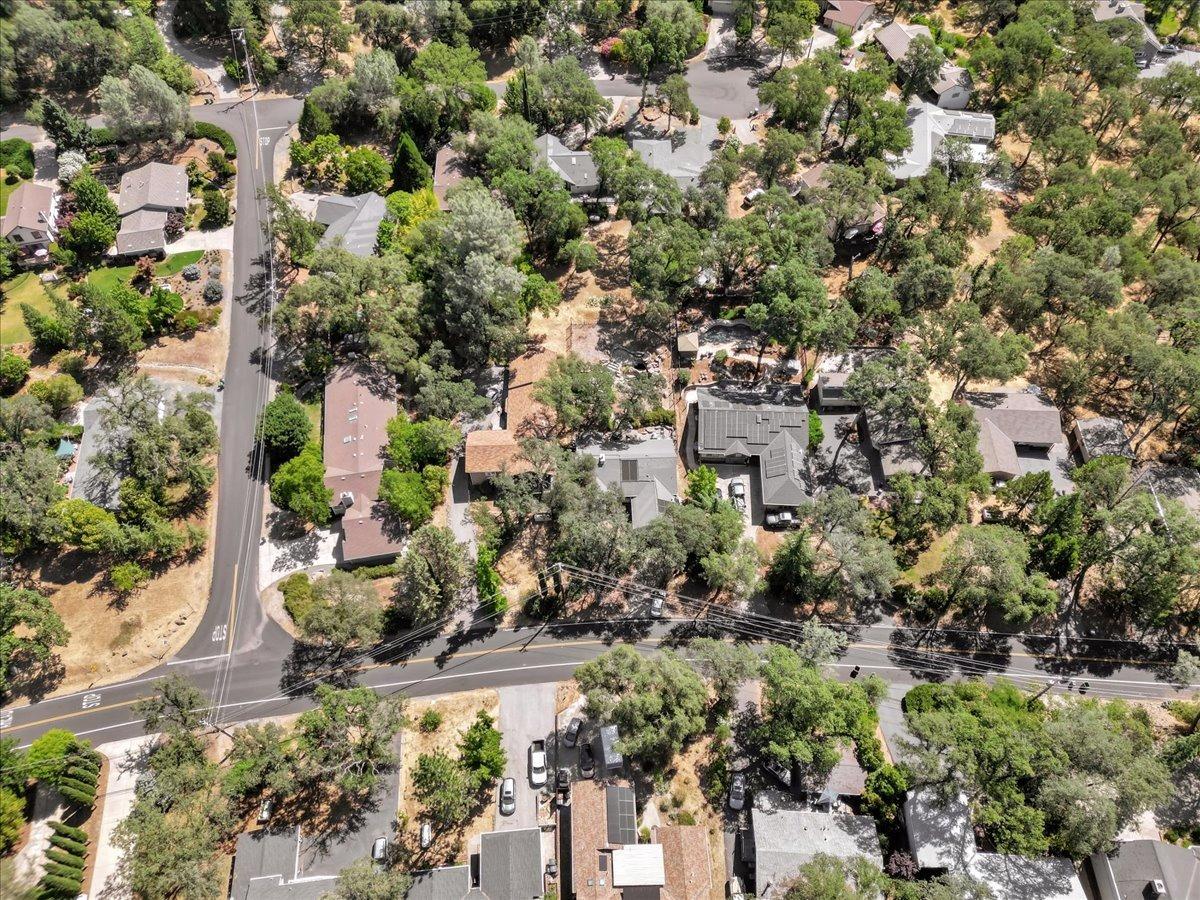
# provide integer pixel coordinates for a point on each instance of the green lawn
(110, 276)
(25, 288)
(313, 409)
(931, 560)
(5, 190)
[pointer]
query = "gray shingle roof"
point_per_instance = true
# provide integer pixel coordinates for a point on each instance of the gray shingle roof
(930, 125)
(895, 37)
(681, 155)
(940, 835)
(1011, 877)
(446, 883)
(155, 185)
(575, 167)
(645, 474)
(510, 864)
(1008, 419)
(1126, 873)
(354, 221)
(30, 206)
(785, 839)
(950, 76)
(142, 231)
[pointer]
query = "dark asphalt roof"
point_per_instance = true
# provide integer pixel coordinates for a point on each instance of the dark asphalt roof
(354, 221)
(1133, 865)
(510, 864)
(264, 866)
(446, 883)
(575, 167)
(645, 474)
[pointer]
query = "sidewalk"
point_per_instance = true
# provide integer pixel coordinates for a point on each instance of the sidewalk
(30, 864)
(199, 239)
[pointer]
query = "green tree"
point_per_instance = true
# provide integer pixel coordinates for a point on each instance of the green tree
(827, 877)
(143, 107)
(544, 207)
(317, 27)
(12, 818)
(30, 629)
(67, 131)
(480, 753)
(284, 427)
(410, 172)
(778, 156)
(580, 393)
(797, 95)
(433, 574)
(80, 523)
(443, 788)
(346, 613)
(92, 196)
(88, 236)
(917, 71)
(658, 702)
(314, 121)
(787, 29)
(364, 879)
(702, 487)
(177, 707)
(299, 486)
(49, 755)
(366, 170)
(50, 334)
(347, 739)
(724, 665)
(14, 370)
(59, 392)
(674, 94)
(260, 762)
(216, 208)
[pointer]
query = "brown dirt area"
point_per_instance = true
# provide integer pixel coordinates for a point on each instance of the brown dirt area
(683, 794)
(458, 712)
(565, 694)
(204, 350)
(112, 640)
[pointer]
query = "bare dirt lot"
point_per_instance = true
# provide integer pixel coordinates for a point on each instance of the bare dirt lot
(458, 711)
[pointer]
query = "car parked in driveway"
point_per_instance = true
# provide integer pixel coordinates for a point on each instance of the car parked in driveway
(508, 797)
(379, 849)
(737, 493)
(587, 762)
(779, 520)
(737, 791)
(571, 735)
(537, 763)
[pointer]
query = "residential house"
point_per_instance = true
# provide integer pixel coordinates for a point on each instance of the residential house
(149, 195)
(845, 781)
(1114, 10)
(941, 838)
(608, 863)
(1021, 432)
(852, 14)
(870, 226)
(739, 429)
(681, 154)
(29, 222)
(783, 836)
(576, 168)
(489, 452)
(931, 126)
(891, 446)
(831, 391)
(1136, 870)
(1099, 436)
(449, 169)
(953, 85)
(1189, 59)
(265, 868)
(509, 866)
(644, 474)
(359, 401)
(351, 222)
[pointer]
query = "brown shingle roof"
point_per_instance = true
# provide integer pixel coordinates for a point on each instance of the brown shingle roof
(29, 206)
(589, 836)
(358, 404)
(686, 859)
(488, 452)
(851, 13)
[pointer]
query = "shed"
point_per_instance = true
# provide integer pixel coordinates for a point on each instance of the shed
(688, 346)
(610, 758)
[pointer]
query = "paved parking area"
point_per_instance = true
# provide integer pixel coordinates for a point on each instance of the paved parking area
(747, 476)
(526, 715)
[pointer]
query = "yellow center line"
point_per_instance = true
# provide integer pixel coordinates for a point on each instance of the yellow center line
(1017, 653)
(232, 607)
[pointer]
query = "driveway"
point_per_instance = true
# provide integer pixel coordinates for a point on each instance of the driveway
(526, 715)
(127, 762)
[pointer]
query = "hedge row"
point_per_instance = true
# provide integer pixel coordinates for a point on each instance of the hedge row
(63, 887)
(70, 831)
(387, 570)
(53, 868)
(84, 774)
(64, 843)
(215, 133)
(66, 859)
(75, 795)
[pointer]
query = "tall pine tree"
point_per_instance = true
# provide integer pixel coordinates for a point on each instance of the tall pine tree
(409, 171)
(314, 121)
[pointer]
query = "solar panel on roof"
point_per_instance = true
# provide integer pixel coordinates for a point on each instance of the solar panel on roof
(622, 815)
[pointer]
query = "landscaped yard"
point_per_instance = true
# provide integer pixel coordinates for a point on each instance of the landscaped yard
(5, 190)
(110, 276)
(25, 288)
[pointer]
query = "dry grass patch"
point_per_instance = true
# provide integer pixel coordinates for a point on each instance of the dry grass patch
(458, 711)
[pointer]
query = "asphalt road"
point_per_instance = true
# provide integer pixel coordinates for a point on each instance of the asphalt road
(498, 658)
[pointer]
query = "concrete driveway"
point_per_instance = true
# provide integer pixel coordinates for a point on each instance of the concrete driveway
(526, 714)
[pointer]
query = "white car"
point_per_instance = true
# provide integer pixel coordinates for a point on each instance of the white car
(537, 763)
(508, 797)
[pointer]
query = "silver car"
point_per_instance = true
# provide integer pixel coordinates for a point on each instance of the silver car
(508, 797)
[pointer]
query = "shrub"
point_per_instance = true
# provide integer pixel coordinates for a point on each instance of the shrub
(682, 377)
(232, 68)
(431, 720)
(816, 431)
(13, 372)
(214, 133)
(60, 392)
(71, 832)
(220, 164)
(104, 136)
(127, 577)
(70, 164)
(683, 817)
(216, 208)
(66, 859)
(383, 570)
(213, 292)
(657, 416)
(644, 834)
(65, 843)
(187, 320)
(83, 774)
(62, 885)
(67, 783)
(50, 334)
(298, 597)
(16, 158)
(64, 871)
(191, 272)
(720, 356)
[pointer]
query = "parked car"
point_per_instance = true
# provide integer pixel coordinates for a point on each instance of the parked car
(779, 520)
(426, 835)
(656, 607)
(571, 735)
(587, 762)
(779, 772)
(537, 763)
(737, 493)
(737, 791)
(508, 797)
(562, 779)
(751, 197)
(265, 809)
(379, 848)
